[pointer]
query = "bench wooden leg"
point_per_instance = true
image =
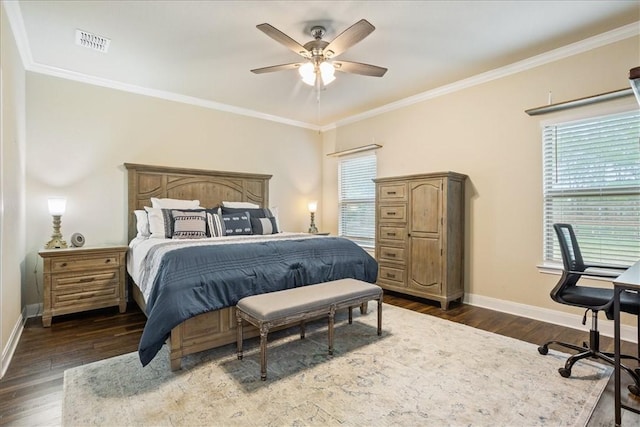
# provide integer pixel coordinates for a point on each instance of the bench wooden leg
(363, 308)
(264, 331)
(302, 329)
(239, 337)
(332, 312)
(350, 315)
(379, 316)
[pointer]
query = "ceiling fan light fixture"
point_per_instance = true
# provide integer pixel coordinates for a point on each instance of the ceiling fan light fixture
(327, 72)
(308, 73)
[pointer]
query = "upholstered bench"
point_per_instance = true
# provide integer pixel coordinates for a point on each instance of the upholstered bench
(296, 305)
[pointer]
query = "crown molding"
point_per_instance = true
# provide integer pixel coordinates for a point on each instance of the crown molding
(16, 22)
(169, 96)
(14, 16)
(585, 45)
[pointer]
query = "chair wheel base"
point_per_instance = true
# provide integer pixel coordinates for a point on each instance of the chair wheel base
(564, 372)
(543, 350)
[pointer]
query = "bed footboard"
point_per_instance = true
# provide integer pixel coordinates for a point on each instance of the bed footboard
(199, 333)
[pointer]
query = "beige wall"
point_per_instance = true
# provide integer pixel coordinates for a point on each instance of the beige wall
(12, 159)
(483, 132)
(80, 135)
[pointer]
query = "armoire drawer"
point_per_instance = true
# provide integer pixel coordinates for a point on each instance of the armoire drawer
(392, 192)
(390, 253)
(392, 274)
(392, 233)
(392, 213)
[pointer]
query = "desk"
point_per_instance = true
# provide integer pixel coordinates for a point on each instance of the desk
(629, 280)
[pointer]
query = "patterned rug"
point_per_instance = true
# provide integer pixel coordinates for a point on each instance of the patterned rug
(422, 371)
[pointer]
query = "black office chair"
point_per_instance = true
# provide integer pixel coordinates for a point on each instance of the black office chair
(568, 292)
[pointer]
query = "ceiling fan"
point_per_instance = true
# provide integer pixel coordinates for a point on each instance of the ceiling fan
(319, 68)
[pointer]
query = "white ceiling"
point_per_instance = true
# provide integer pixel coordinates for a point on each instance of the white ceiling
(205, 49)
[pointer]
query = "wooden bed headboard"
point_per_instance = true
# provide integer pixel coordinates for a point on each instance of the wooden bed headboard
(210, 187)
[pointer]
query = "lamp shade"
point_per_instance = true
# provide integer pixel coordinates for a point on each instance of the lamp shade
(313, 206)
(57, 205)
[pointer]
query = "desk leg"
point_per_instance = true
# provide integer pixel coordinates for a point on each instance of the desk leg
(616, 340)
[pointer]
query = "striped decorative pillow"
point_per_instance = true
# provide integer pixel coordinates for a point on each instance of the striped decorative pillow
(160, 222)
(189, 225)
(214, 223)
(264, 225)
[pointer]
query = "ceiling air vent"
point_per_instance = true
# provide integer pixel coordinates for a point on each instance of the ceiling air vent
(92, 41)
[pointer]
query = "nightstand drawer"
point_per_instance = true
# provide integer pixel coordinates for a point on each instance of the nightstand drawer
(79, 283)
(89, 294)
(84, 263)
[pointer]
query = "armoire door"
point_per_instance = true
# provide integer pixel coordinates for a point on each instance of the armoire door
(425, 235)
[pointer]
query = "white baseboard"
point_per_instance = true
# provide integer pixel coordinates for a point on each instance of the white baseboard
(9, 350)
(627, 333)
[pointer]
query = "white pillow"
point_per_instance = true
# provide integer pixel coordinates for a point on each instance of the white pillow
(174, 203)
(142, 223)
(159, 223)
(246, 205)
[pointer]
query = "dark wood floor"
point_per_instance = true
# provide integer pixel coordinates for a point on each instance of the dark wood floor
(31, 390)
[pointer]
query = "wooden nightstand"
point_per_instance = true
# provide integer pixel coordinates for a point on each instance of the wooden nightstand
(79, 279)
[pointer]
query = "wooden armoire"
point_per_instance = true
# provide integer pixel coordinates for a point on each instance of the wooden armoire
(420, 235)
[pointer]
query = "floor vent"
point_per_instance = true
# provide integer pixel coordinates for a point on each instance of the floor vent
(92, 41)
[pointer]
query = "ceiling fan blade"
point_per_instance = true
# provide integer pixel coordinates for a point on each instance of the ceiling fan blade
(273, 68)
(284, 39)
(348, 38)
(359, 68)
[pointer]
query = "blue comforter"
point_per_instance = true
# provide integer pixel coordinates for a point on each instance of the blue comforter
(195, 280)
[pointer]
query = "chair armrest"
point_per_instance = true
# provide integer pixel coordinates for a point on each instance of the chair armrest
(607, 266)
(604, 274)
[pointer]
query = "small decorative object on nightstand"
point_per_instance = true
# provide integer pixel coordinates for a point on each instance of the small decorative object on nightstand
(56, 209)
(80, 279)
(313, 207)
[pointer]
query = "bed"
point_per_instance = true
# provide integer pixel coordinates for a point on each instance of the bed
(270, 261)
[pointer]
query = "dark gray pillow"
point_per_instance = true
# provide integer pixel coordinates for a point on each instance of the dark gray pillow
(255, 213)
(236, 224)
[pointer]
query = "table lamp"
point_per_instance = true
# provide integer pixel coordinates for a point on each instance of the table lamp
(56, 209)
(313, 207)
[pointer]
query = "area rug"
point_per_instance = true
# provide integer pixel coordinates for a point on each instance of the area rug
(422, 371)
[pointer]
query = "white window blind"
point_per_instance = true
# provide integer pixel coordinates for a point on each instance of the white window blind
(592, 181)
(357, 199)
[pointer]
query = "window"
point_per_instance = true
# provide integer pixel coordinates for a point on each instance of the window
(592, 181)
(357, 199)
